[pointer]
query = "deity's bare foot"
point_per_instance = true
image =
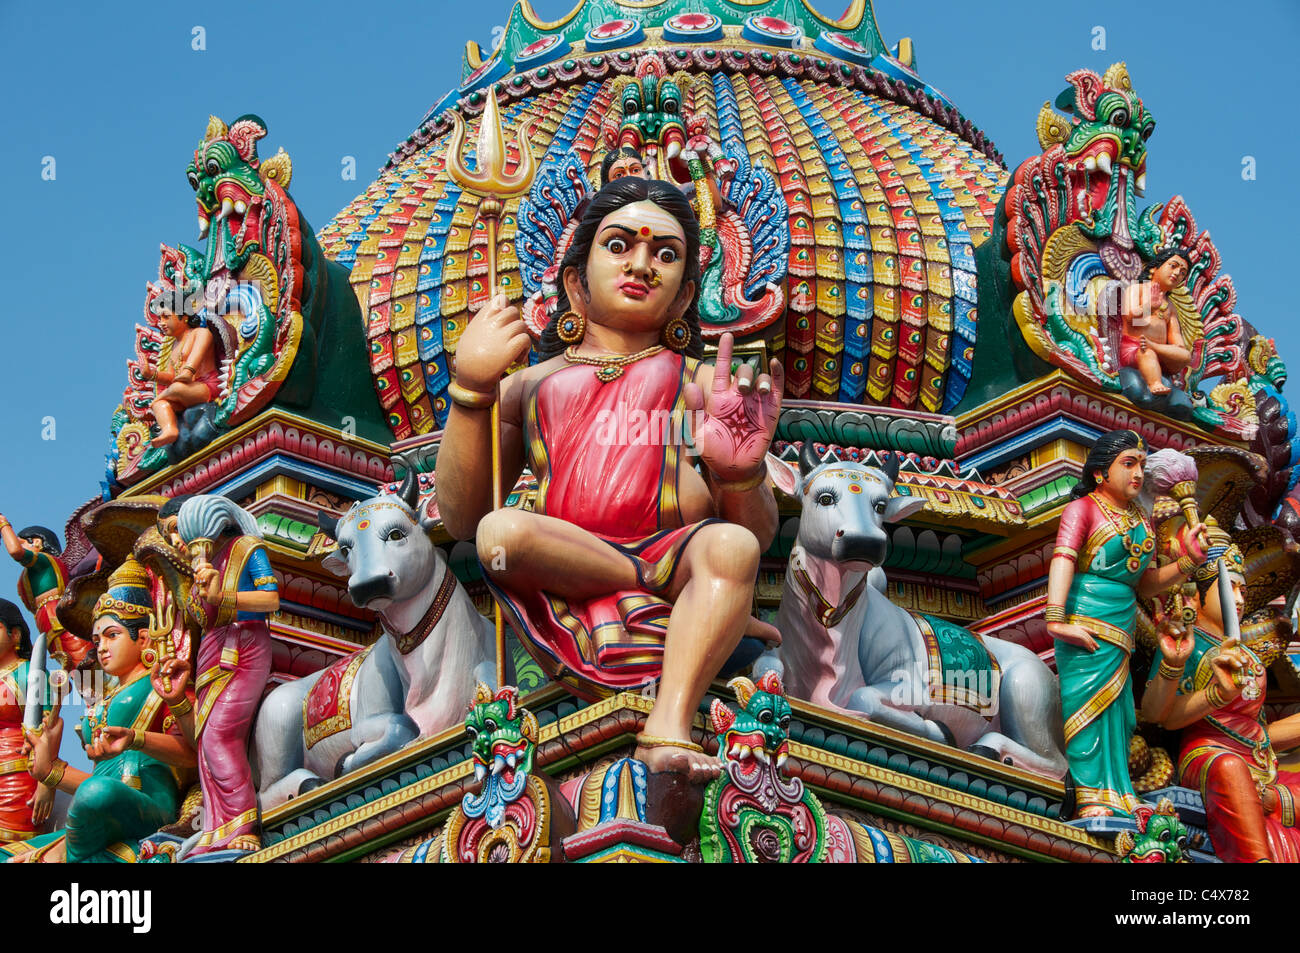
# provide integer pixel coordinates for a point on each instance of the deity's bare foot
(698, 767)
(1158, 388)
(165, 437)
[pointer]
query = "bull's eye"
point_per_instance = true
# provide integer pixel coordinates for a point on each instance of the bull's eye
(394, 535)
(825, 498)
(880, 507)
(344, 550)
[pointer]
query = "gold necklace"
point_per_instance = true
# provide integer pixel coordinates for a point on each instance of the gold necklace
(1124, 522)
(99, 720)
(609, 367)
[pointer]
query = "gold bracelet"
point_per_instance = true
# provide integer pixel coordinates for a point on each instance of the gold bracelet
(1169, 672)
(57, 771)
(745, 485)
(1213, 697)
(4, 523)
(137, 740)
(473, 399)
(180, 708)
(1054, 614)
(1187, 566)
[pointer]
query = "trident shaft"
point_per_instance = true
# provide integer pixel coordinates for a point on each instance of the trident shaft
(491, 182)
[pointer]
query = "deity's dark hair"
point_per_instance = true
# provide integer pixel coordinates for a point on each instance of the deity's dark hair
(619, 152)
(1162, 256)
(618, 194)
(11, 618)
(173, 506)
(1103, 453)
(46, 536)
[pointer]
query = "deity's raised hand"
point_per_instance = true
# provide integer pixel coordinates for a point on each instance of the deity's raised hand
(1175, 647)
(493, 341)
(739, 415)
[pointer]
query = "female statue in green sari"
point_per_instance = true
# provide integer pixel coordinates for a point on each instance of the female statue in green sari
(128, 734)
(1101, 564)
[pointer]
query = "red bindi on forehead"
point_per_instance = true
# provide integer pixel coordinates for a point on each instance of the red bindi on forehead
(645, 231)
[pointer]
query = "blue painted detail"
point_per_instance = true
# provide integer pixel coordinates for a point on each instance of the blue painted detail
(631, 35)
(1034, 437)
(756, 196)
(279, 464)
(710, 33)
(880, 843)
(755, 32)
(849, 198)
(844, 48)
(610, 784)
(558, 47)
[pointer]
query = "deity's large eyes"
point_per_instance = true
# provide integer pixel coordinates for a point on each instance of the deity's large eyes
(785, 722)
(471, 732)
(616, 246)
(194, 180)
(667, 255)
(212, 168)
(490, 724)
(765, 716)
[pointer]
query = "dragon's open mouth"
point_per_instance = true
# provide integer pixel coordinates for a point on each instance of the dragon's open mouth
(237, 214)
(506, 756)
(1094, 166)
(750, 751)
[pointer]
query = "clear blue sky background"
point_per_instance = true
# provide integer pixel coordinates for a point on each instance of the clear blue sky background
(115, 94)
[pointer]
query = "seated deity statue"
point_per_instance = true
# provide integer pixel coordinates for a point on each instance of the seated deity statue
(635, 562)
(190, 376)
(1152, 340)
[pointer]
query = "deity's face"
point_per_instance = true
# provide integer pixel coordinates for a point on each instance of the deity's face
(118, 653)
(1124, 478)
(171, 324)
(635, 270)
(1211, 608)
(167, 529)
(1172, 274)
(628, 165)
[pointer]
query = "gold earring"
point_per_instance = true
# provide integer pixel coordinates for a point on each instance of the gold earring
(571, 327)
(677, 334)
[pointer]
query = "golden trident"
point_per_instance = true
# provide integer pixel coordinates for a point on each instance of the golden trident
(490, 181)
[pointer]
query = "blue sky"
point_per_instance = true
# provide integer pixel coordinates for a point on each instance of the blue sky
(115, 94)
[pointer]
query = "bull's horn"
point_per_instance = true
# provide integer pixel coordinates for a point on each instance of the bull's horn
(329, 524)
(891, 465)
(410, 491)
(809, 458)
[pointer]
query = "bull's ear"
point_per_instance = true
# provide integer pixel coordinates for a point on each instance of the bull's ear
(335, 564)
(784, 476)
(901, 507)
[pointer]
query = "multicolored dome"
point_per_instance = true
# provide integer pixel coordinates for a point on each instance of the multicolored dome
(853, 195)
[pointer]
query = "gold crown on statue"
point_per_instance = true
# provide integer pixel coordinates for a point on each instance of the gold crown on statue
(128, 593)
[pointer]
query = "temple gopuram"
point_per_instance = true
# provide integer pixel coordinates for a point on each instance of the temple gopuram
(952, 332)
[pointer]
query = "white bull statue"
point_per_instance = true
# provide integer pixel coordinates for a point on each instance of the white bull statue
(846, 646)
(415, 681)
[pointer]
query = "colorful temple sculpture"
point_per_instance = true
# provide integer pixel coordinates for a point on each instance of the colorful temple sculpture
(698, 444)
